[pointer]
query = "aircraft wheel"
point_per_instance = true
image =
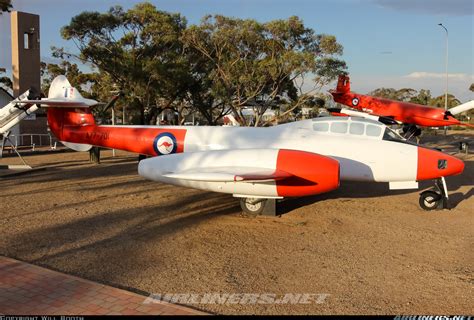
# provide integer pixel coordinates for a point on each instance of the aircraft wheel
(252, 206)
(430, 200)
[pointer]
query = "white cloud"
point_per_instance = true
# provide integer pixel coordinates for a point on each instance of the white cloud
(433, 75)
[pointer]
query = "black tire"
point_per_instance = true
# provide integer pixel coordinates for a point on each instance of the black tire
(430, 200)
(252, 206)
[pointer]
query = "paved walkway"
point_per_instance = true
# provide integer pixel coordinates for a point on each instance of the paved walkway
(27, 289)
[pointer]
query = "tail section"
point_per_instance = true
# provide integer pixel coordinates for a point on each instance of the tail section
(343, 84)
(74, 114)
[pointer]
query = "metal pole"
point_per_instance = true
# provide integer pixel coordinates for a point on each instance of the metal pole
(447, 76)
(113, 123)
(123, 115)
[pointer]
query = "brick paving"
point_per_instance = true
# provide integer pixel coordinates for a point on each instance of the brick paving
(27, 289)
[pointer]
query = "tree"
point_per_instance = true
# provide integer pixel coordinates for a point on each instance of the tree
(438, 102)
(77, 78)
(5, 5)
(199, 95)
(137, 50)
(262, 64)
(406, 94)
(471, 87)
(6, 81)
(423, 97)
(387, 93)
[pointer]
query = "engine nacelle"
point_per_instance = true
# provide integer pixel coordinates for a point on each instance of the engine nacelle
(311, 173)
(266, 173)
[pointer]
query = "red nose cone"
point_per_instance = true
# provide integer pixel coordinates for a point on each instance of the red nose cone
(433, 164)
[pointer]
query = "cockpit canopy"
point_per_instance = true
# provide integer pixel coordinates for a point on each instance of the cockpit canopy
(356, 127)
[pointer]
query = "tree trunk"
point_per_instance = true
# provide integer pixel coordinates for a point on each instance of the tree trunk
(94, 155)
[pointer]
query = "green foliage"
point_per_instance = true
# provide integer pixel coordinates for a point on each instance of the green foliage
(439, 102)
(405, 94)
(219, 66)
(258, 64)
(137, 50)
(77, 78)
(423, 97)
(5, 5)
(411, 95)
(6, 82)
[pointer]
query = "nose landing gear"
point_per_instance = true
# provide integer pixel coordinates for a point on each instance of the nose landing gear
(436, 198)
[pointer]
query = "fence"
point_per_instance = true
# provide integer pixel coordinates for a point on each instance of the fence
(33, 140)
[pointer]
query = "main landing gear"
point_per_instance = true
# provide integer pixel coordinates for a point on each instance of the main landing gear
(436, 198)
(258, 206)
(411, 131)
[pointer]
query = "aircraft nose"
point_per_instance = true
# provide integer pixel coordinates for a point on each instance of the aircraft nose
(433, 164)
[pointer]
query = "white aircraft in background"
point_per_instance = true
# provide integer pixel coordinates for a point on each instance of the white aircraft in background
(257, 164)
(15, 111)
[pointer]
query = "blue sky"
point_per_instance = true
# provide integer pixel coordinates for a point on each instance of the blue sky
(387, 43)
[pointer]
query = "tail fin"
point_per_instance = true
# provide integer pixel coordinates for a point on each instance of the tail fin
(343, 84)
(62, 91)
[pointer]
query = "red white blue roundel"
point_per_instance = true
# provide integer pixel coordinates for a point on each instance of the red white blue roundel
(355, 101)
(165, 143)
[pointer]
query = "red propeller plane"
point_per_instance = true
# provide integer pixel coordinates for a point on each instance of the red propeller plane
(391, 111)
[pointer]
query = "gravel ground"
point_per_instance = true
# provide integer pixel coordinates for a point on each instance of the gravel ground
(373, 251)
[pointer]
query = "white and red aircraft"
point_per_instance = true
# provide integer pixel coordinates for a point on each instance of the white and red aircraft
(290, 160)
(395, 112)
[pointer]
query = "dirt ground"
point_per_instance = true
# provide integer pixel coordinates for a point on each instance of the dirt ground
(373, 251)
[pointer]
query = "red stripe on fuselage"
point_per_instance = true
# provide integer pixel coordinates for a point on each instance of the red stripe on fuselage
(77, 125)
(139, 140)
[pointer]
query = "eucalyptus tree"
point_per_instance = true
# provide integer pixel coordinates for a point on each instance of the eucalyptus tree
(139, 51)
(263, 64)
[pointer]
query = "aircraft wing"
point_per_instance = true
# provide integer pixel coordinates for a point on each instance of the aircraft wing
(230, 174)
(462, 107)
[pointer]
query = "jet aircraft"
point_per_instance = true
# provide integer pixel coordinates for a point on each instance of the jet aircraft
(259, 165)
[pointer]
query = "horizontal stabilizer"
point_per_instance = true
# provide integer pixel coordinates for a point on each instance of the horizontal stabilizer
(81, 147)
(462, 107)
(83, 103)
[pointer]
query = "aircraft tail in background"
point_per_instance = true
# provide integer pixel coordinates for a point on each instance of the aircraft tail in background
(343, 84)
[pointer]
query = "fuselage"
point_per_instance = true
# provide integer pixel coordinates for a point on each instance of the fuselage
(362, 147)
